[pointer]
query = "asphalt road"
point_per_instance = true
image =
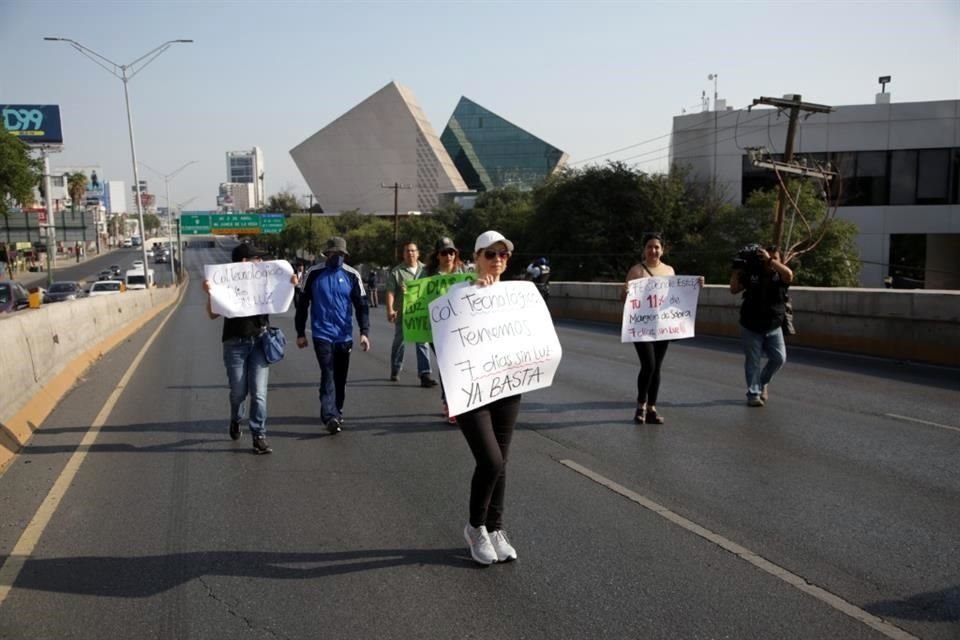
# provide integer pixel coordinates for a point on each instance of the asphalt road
(87, 269)
(843, 513)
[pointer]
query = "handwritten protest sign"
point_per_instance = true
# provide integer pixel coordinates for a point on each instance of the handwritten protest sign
(661, 308)
(420, 293)
(493, 342)
(249, 288)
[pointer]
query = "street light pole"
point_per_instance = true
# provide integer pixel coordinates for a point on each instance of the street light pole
(146, 59)
(166, 188)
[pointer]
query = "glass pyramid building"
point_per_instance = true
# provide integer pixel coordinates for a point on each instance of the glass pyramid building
(491, 152)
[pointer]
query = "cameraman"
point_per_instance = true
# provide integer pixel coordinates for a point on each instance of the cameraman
(764, 280)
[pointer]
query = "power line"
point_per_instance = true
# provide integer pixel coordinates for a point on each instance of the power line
(643, 142)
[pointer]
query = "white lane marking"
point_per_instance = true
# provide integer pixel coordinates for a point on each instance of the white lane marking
(926, 422)
(31, 534)
(798, 582)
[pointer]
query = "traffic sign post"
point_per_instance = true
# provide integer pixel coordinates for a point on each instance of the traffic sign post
(229, 224)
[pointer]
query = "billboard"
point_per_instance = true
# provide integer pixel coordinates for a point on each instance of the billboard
(34, 124)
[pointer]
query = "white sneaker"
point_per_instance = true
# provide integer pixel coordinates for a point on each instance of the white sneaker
(502, 546)
(480, 547)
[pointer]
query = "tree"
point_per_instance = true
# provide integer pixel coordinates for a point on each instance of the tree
(151, 222)
(820, 249)
(284, 202)
(77, 188)
(590, 222)
(19, 173)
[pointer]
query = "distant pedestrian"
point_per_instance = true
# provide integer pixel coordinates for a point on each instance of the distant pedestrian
(330, 292)
(538, 272)
(410, 269)
(651, 354)
(764, 281)
(488, 430)
(247, 369)
(372, 293)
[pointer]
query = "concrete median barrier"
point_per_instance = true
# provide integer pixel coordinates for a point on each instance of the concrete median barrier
(44, 351)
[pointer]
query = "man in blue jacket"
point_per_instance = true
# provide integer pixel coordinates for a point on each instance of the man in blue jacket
(329, 291)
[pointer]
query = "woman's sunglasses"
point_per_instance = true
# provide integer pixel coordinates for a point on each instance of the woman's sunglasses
(448, 252)
(490, 254)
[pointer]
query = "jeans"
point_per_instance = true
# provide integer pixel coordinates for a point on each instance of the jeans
(755, 346)
(488, 431)
(334, 361)
(396, 352)
(247, 373)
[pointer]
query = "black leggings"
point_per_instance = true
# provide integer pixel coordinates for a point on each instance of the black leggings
(651, 356)
(488, 431)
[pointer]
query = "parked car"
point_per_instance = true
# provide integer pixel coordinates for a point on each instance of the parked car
(106, 274)
(137, 264)
(65, 290)
(12, 297)
(127, 242)
(106, 287)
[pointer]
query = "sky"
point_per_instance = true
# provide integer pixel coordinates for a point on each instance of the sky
(589, 77)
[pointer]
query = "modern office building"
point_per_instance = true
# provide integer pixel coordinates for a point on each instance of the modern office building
(247, 167)
(236, 196)
(899, 166)
(386, 140)
(490, 152)
(115, 197)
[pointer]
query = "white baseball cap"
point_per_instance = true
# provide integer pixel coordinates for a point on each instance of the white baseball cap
(488, 239)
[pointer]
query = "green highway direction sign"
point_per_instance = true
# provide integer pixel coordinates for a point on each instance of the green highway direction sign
(229, 224)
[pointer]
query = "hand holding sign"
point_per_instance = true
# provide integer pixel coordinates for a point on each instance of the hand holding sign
(660, 308)
(493, 342)
(239, 289)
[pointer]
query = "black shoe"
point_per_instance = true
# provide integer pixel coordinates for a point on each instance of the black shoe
(260, 445)
(333, 426)
(427, 381)
(234, 429)
(393, 377)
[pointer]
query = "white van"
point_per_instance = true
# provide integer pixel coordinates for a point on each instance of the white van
(135, 279)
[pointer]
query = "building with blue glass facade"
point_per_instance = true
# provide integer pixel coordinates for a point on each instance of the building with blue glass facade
(490, 152)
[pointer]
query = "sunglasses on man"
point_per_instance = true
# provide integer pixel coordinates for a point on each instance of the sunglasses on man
(448, 252)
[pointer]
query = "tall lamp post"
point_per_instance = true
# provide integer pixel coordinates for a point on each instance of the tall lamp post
(166, 189)
(126, 72)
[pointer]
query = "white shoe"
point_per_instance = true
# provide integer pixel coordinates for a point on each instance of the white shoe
(480, 547)
(502, 546)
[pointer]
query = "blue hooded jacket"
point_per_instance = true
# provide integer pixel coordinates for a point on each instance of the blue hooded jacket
(328, 293)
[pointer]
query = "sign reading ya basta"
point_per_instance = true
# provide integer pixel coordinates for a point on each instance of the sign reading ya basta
(240, 289)
(660, 308)
(493, 342)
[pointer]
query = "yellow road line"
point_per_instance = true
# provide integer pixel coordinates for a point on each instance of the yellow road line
(31, 534)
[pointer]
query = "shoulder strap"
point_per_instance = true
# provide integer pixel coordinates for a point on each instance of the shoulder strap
(647, 270)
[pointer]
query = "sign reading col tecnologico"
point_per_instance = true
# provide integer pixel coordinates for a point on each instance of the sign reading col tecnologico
(493, 342)
(34, 124)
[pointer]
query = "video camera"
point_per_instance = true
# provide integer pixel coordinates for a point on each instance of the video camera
(748, 258)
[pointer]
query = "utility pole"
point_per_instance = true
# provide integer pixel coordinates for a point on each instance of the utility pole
(396, 186)
(795, 106)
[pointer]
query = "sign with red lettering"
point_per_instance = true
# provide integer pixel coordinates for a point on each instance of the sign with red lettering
(660, 308)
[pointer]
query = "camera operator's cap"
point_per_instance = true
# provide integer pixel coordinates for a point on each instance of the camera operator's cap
(445, 243)
(489, 238)
(336, 244)
(245, 250)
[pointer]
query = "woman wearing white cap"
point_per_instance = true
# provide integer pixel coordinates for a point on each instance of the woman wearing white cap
(488, 430)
